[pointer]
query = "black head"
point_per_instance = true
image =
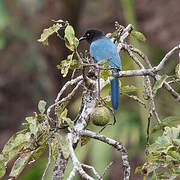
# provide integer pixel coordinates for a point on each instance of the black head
(91, 35)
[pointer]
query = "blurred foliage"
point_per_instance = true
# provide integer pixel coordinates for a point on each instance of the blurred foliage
(17, 32)
(5, 20)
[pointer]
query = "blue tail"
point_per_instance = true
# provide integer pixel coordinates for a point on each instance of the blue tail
(115, 93)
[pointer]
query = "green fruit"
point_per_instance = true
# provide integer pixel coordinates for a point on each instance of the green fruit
(100, 116)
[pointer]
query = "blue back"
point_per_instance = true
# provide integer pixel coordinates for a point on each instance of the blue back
(104, 48)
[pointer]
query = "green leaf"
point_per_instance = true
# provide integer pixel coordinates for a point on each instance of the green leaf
(71, 41)
(105, 74)
(158, 84)
(48, 32)
(33, 125)
(76, 42)
(174, 154)
(63, 145)
(41, 106)
(38, 152)
(61, 108)
(128, 89)
(138, 35)
(65, 65)
(168, 121)
(62, 117)
(69, 34)
(69, 122)
(177, 71)
(114, 35)
(138, 170)
(164, 154)
(20, 164)
(14, 145)
(2, 166)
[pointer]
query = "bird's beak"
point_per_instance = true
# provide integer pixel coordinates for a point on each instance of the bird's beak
(82, 38)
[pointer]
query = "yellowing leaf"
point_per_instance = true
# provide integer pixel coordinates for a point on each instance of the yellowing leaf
(71, 41)
(2, 166)
(48, 32)
(14, 145)
(68, 64)
(105, 74)
(158, 84)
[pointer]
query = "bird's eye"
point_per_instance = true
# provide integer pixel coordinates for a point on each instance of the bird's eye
(88, 34)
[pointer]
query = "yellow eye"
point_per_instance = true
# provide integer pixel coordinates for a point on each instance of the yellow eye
(88, 34)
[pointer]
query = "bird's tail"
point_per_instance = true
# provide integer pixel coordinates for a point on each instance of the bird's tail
(115, 93)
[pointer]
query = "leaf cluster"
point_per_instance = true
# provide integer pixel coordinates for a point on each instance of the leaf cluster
(26, 145)
(163, 160)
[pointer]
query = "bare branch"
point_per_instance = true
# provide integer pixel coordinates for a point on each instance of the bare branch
(60, 167)
(69, 83)
(88, 103)
(146, 82)
(76, 163)
(113, 143)
(126, 32)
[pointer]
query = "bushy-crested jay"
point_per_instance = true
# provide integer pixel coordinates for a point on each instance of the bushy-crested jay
(102, 48)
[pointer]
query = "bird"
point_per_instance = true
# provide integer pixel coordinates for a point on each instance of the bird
(101, 48)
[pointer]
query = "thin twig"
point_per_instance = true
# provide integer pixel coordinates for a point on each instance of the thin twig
(93, 170)
(107, 168)
(69, 83)
(72, 174)
(167, 56)
(68, 97)
(49, 160)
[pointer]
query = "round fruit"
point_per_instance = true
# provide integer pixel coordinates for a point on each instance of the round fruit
(100, 116)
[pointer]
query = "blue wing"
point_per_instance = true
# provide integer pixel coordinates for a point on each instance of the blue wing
(104, 48)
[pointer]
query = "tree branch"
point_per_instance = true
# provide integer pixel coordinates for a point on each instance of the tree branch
(113, 143)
